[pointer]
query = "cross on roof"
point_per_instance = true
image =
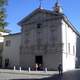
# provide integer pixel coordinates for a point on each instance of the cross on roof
(40, 3)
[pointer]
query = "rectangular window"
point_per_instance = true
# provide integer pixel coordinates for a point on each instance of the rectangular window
(69, 48)
(38, 26)
(73, 50)
(8, 42)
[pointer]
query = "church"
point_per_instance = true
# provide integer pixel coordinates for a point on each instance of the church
(47, 38)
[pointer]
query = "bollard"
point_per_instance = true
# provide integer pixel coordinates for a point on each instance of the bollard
(14, 68)
(20, 69)
(29, 69)
(45, 69)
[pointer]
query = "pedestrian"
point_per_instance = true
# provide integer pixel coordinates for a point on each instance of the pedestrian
(36, 67)
(60, 69)
(40, 67)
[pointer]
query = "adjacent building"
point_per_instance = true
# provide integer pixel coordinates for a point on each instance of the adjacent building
(11, 50)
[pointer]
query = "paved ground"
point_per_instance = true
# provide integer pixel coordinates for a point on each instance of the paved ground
(72, 75)
(24, 75)
(11, 75)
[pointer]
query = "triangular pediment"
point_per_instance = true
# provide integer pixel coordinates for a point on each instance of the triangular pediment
(37, 15)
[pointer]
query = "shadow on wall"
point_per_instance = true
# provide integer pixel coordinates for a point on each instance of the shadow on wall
(78, 52)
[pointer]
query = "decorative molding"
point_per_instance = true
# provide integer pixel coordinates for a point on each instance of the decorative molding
(45, 20)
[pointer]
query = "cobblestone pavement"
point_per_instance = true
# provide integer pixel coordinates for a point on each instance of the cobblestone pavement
(70, 75)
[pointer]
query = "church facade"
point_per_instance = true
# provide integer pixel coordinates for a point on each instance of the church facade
(47, 38)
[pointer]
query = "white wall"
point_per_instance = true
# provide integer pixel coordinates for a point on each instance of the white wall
(12, 51)
(1, 36)
(68, 38)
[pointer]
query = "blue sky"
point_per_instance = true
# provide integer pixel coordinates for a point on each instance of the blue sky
(18, 9)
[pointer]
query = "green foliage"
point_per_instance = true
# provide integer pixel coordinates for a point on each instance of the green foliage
(3, 3)
(3, 24)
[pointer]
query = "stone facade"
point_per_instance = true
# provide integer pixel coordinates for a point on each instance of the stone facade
(41, 37)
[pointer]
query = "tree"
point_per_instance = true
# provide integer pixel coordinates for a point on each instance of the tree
(3, 24)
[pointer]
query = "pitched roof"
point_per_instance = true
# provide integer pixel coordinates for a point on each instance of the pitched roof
(65, 18)
(12, 34)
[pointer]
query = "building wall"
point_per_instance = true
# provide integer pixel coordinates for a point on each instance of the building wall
(45, 41)
(51, 61)
(69, 38)
(11, 49)
(78, 52)
(54, 40)
(1, 45)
